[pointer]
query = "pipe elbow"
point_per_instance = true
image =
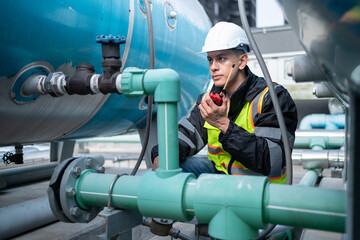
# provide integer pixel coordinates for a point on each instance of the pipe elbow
(167, 85)
(163, 84)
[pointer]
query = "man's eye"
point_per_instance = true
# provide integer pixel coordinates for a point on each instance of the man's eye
(210, 60)
(221, 58)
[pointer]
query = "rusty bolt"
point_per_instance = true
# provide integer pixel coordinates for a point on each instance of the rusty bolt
(76, 171)
(100, 169)
(88, 162)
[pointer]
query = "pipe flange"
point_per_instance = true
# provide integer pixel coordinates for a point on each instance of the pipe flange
(73, 211)
(53, 190)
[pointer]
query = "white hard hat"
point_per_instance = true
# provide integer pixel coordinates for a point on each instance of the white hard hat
(226, 35)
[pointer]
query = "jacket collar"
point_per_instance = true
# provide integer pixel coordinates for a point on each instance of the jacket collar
(246, 92)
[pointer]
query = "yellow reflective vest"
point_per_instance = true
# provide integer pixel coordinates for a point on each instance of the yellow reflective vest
(222, 159)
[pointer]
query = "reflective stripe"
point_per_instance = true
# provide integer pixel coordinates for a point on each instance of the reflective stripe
(215, 150)
(291, 139)
(283, 172)
(188, 142)
(252, 114)
(261, 99)
(268, 132)
(222, 159)
(256, 104)
(275, 157)
(199, 142)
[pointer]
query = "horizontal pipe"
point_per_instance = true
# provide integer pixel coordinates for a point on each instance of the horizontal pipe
(320, 133)
(214, 199)
(26, 174)
(22, 217)
(93, 190)
(312, 159)
(307, 207)
(327, 121)
(131, 138)
(32, 85)
(329, 138)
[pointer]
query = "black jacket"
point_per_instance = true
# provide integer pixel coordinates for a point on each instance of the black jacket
(252, 150)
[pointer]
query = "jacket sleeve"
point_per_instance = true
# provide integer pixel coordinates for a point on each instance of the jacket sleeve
(192, 135)
(262, 151)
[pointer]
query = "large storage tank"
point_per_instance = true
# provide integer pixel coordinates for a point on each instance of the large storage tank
(39, 37)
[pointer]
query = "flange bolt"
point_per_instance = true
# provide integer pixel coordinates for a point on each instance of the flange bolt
(75, 211)
(88, 162)
(70, 192)
(100, 169)
(76, 171)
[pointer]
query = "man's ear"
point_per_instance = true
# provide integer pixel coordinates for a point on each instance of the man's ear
(243, 59)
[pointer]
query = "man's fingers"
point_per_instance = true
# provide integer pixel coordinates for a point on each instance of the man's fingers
(155, 164)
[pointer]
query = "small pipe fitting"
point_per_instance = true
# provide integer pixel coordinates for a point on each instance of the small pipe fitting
(79, 83)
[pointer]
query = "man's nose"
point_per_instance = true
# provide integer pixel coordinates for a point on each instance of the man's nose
(214, 66)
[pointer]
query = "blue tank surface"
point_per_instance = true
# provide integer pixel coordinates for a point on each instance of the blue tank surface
(40, 37)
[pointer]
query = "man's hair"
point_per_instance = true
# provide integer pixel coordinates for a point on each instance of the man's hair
(238, 52)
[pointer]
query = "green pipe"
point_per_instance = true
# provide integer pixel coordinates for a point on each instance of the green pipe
(309, 179)
(164, 197)
(92, 190)
(307, 207)
(234, 206)
(168, 137)
(164, 84)
(319, 139)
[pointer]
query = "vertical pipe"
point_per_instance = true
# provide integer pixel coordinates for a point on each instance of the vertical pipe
(168, 136)
(353, 168)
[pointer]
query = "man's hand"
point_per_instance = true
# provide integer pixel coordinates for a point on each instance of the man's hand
(155, 163)
(217, 116)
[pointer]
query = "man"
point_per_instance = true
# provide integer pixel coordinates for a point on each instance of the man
(242, 134)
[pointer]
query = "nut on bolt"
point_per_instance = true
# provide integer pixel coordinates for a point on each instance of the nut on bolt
(70, 192)
(88, 217)
(76, 171)
(88, 162)
(75, 211)
(100, 169)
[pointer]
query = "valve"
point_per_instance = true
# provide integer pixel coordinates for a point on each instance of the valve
(111, 64)
(16, 158)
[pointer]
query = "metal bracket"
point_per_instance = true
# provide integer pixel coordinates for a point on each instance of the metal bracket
(119, 223)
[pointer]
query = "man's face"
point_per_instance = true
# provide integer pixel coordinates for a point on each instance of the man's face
(220, 63)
